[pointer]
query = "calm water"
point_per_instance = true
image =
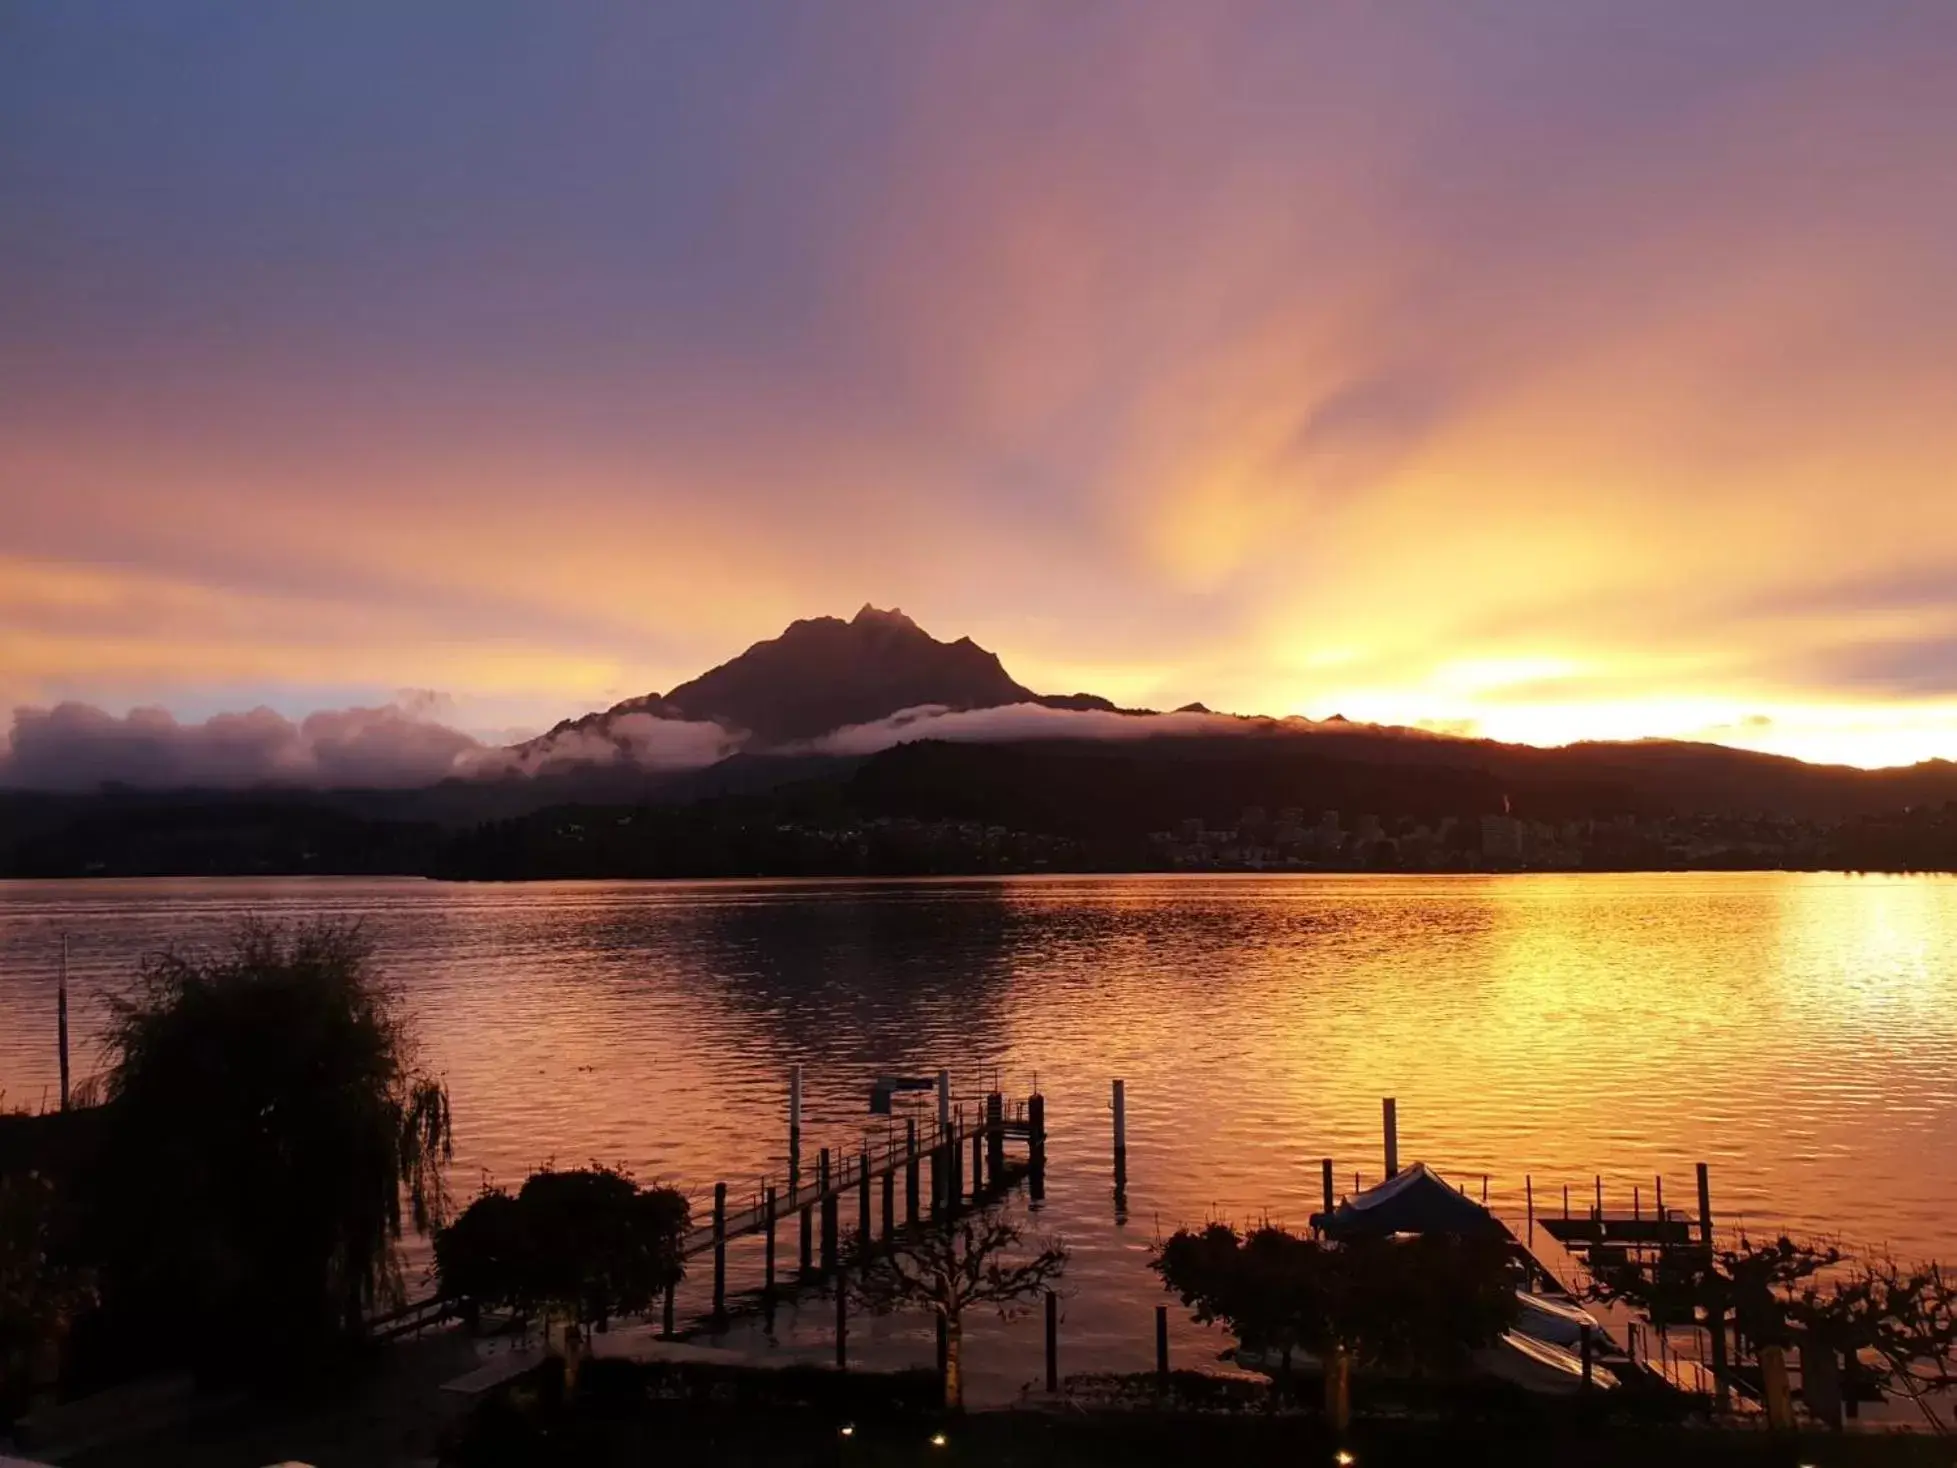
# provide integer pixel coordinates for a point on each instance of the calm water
(1797, 1032)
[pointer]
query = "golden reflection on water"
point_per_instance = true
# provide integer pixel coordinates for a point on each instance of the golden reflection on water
(1796, 1032)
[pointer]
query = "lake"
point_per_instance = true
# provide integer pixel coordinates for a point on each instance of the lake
(1796, 1032)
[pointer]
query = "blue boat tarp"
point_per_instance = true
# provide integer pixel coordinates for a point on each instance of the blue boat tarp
(1416, 1201)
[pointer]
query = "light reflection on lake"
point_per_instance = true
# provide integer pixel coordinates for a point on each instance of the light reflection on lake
(1798, 1032)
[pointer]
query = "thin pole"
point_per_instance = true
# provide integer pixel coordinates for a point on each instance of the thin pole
(61, 1020)
(1325, 1166)
(719, 1250)
(1120, 1133)
(1390, 1119)
(1162, 1344)
(768, 1279)
(1529, 1201)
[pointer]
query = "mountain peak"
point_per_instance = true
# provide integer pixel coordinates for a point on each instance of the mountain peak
(870, 616)
(824, 673)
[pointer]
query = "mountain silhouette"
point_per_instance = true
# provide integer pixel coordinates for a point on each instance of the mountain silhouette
(823, 674)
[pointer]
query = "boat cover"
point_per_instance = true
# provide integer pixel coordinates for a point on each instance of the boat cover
(1416, 1201)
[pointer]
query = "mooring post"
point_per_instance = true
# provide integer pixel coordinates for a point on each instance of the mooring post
(865, 1224)
(1162, 1344)
(768, 1275)
(995, 1136)
(719, 1250)
(1120, 1134)
(1036, 1147)
(978, 1163)
(794, 1131)
(1637, 1202)
(822, 1176)
(1600, 1200)
(944, 1102)
(1529, 1204)
(938, 1178)
(1390, 1116)
(61, 1020)
(1566, 1202)
(889, 1200)
(808, 1238)
(955, 1163)
(1325, 1167)
(910, 1169)
(1658, 1196)
(842, 1325)
(1052, 1342)
(1716, 1319)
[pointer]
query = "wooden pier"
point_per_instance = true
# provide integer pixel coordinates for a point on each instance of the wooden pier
(960, 1157)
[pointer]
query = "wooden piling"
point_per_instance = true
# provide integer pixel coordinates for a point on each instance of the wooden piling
(1390, 1120)
(1529, 1205)
(719, 1251)
(1162, 1344)
(1325, 1166)
(1566, 1201)
(937, 1179)
(944, 1102)
(955, 1163)
(1716, 1321)
(1600, 1195)
(1120, 1134)
(995, 1136)
(978, 1165)
(865, 1223)
(889, 1200)
(768, 1271)
(1036, 1147)
(910, 1170)
(1658, 1195)
(1052, 1342)
(808, 1238)
(828, 1203)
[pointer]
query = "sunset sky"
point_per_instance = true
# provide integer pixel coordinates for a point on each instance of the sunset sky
(1548, 369)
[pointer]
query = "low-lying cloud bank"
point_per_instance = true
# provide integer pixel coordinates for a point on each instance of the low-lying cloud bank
(76, 746)
(1034, 721)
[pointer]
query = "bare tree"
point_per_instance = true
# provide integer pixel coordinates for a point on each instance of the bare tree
(947, 1267)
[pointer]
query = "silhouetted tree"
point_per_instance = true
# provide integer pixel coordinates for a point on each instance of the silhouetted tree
(948, 1266)
(585, 1244)
(268, 1120)
(1410, 1304)
(1906, 1316)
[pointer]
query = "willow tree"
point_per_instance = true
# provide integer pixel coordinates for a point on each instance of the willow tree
(952, 1265)
(270, 1130)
